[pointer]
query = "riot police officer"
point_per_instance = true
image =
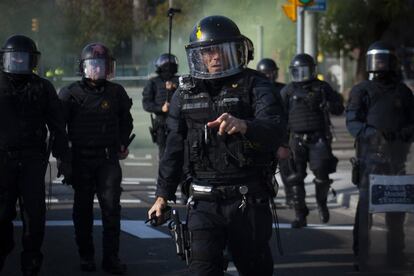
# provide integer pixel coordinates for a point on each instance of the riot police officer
(157, 95)
(28, 104)
(308, 102)
(227, 117)
(380, 115)
(99, 124)
(269, 67)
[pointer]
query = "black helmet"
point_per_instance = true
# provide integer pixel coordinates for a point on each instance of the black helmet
(20, 55)
(268, 67)
(217, 49)
(302, 68)
(166, 63)
(96, 62)
(381, 57)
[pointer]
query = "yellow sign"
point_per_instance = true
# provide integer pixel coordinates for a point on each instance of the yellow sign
(290, 9)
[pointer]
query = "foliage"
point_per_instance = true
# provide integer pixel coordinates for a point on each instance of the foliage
(355, 24)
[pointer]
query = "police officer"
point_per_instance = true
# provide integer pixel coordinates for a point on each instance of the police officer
(28, 104)
(99, 124)
(308, 102)
(380, 115)
(269, 67)
(157, 95)
(227, 118)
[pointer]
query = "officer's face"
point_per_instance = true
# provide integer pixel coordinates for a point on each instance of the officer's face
(212, 60)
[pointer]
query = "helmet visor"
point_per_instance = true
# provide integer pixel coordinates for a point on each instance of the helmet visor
(302, 73)
(19, 62)
(98, 69)
(380, 61)
(217, 61)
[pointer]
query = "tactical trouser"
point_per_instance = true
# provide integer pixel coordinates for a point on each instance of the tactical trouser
(317, 151)
(377, 158)
(215, 224)
(100, 176)
(22, 177)
(285, 171)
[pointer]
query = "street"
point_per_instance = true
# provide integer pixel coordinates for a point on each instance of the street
(315, 250)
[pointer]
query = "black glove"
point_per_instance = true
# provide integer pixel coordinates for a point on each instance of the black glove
(65, 169)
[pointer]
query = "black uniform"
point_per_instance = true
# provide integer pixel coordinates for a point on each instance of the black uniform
(225, 162)
(284, 164)
(99, 122)
(28, 104)
(154, 96)
(308, 105)
(380, 115)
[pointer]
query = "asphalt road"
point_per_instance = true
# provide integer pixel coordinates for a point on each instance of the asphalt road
(322, 250)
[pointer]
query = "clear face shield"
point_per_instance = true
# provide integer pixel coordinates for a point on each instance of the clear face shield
(380, 61)
(217, 61)
(302, 73)
(19, 62)
(98, 69)
(270, 74)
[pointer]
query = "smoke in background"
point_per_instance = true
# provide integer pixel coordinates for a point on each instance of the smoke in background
(278, 31)
(65, 26)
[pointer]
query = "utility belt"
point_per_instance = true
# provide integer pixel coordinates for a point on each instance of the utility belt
(94, 153)
(311, 137)
(206, 191)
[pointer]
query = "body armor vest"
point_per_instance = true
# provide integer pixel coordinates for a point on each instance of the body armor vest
(305, 113)
(94, 118)
(213, 156)
(386, 107)
(22, 110)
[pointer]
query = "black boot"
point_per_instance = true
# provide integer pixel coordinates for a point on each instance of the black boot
(321, 190)
(31, 263)
(87, 263)
(300, 219)
(113, 265)
(301, 211)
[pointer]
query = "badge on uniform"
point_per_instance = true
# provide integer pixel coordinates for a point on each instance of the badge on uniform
(105, 105)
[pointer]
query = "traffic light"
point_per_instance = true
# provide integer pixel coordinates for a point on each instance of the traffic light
(290, 9)
(35, 25)
(304, 2)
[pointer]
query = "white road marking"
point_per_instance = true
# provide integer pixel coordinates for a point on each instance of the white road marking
(139, 179)
(146, 157)
(319, 227)
(136, 228)
(125, 180)
(137, 164)
(125, 201)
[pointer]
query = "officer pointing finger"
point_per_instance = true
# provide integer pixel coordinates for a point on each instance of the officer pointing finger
(228, 124)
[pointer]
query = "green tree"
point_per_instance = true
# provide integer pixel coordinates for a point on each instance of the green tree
(353, 25)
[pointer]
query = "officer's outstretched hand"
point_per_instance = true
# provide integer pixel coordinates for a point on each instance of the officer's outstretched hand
(159, 204)
(228, 124)
(123, 153)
